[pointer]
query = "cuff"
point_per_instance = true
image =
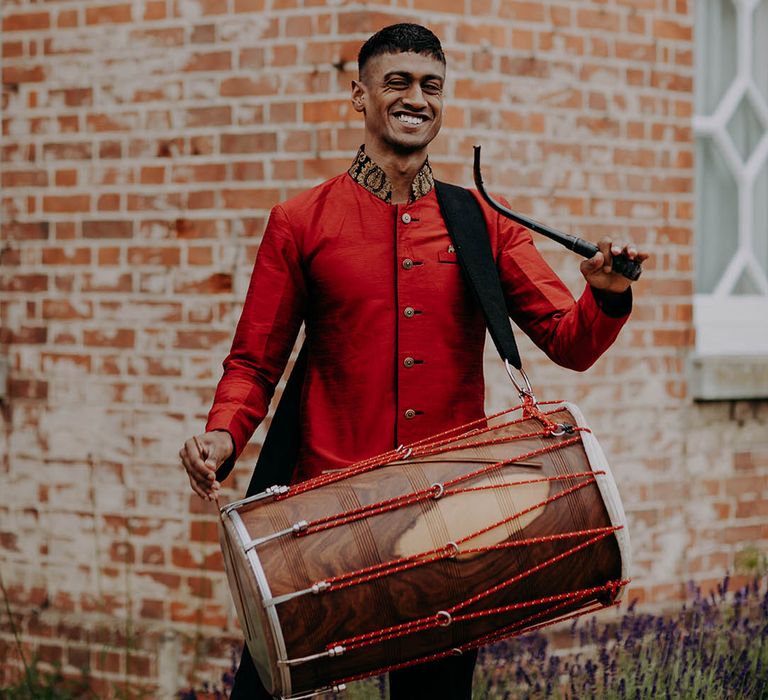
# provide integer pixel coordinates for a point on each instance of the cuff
(612, 304)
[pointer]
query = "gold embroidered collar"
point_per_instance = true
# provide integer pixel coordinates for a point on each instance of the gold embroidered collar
(370, 176)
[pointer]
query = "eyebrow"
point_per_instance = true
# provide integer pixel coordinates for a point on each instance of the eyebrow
(406, 74)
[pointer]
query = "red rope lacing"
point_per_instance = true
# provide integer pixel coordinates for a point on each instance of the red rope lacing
(520, 626)
(389, 568)
(437, 620)
(426, 446)
(385, 506)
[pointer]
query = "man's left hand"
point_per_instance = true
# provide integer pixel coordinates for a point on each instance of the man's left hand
(597, 269)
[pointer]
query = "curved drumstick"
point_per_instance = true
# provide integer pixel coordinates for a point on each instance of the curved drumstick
(631, 269)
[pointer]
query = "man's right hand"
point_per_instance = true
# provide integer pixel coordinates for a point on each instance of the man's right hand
(201, 456)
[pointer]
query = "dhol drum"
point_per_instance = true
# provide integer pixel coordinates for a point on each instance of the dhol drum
(481, 533)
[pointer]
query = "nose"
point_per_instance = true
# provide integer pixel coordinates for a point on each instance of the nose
(414, 98)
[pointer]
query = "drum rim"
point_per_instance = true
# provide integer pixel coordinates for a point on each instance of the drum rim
(271, 613)
(609, 491)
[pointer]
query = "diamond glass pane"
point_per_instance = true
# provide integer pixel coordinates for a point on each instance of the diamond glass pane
(745, 128)
(717, 212)
(760, 219)
(715, 52)
(760, 48)
(745, 285)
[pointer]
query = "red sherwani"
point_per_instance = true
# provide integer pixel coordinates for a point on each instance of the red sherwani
(395, 337)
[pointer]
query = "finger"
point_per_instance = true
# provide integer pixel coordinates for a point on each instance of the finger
(210, 460)
(207, 449)
(592, 264)
(198, 490)
(628, 250)
(194, 463)
(208, 488)
(605, 246)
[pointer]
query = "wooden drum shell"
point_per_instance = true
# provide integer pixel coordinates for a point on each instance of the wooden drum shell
(305, 625)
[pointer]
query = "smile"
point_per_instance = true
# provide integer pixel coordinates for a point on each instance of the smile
(411, 119)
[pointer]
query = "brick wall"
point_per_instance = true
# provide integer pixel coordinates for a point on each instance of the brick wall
(143, 144)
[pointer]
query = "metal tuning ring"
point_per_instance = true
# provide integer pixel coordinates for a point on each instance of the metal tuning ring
(444, 618)
(524, 389)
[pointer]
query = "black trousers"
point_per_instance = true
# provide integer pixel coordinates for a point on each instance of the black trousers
(445, 679)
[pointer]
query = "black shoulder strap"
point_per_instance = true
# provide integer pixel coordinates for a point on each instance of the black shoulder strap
(467, 229)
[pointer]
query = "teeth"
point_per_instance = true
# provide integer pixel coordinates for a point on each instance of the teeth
(409, 119)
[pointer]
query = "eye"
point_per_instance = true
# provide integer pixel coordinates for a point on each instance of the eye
(397, 84)
(432, 88)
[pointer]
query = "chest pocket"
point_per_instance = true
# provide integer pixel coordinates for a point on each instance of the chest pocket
(448, 256)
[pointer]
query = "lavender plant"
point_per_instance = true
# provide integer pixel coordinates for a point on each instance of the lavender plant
(713, 647)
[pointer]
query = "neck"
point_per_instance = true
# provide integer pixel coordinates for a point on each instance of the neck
(400, 168)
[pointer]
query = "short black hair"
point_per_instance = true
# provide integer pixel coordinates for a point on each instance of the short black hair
(401, 38)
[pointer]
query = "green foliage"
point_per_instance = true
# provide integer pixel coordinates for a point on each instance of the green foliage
(39, 685)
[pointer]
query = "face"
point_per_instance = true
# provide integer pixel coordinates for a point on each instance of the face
(401, 96)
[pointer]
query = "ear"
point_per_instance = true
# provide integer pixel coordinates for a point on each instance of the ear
(358, 96)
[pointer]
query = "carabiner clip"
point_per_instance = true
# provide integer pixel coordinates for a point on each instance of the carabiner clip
(524, 390)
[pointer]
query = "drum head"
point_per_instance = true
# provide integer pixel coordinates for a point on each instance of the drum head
(245, 583)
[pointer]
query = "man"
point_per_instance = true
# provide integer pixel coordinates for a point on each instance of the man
(394, 337)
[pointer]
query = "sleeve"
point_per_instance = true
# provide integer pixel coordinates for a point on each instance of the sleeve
(270, 321)
(572, 333)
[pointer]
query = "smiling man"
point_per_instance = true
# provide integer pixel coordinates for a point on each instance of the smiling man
(395, 338)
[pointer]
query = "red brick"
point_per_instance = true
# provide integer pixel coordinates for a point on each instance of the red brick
(668, 29)
(66, 19)
(249, 143)
(154, 10)
(522, 11)
(24, 283)
(203, 34)
(66, 256)
(27, 388)
(209, 172)
(203, 531)
(200, 587)
(108, 14)
(23, 74)
(253, 198)
(201, 339)
(246, 86)
(199, 255)
(66, 178)
(12, 49)
(209, 116)
(122, 552)
(118, 338)
(29, 21)
(253, 58)
(68, 151)
(325, 110)
(249, 5)
(107, 229)
(211, 61)
(145, 255)
(24, 178)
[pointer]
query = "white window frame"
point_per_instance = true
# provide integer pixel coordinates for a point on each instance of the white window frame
(728, 325)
